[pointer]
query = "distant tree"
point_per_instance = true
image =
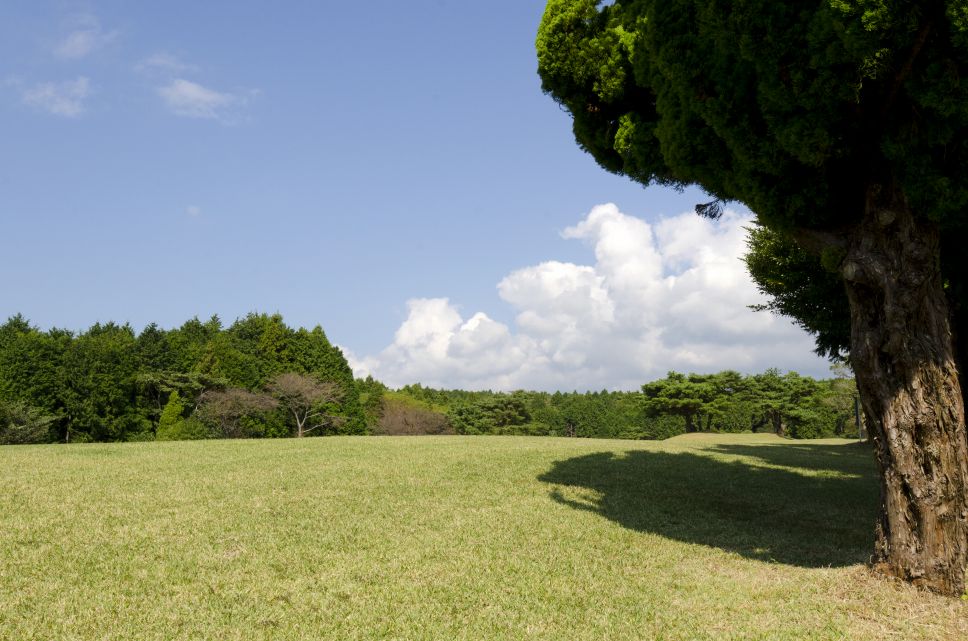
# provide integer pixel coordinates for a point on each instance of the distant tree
(187, 344)
(262, 346)
(154, 388)
(468, 418)
(225, 409)
(679, 395)
(172, 420)
(313, 354)
(307, 399)
(20, 424)
(99, 372)
(32, 368)
(780, 399)
(840, 396)
(402, 416)
(370, 393)
(107, 384)
(154, 353)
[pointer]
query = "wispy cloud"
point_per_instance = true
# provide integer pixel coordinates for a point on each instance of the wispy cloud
(164, 62)
(193, 210)
(61, 99)
(192, 100)
(84, 40)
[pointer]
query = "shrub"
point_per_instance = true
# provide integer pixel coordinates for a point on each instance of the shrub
(20, 424)
(402, 416)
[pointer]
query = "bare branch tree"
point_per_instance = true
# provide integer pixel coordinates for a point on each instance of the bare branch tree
(401, 418)
(305, 397)
(227, 407)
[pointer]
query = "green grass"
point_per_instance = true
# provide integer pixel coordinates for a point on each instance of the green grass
(700, 537)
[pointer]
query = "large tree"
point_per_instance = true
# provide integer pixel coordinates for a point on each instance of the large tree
(842, 124)
(308, 399)
(226, 409)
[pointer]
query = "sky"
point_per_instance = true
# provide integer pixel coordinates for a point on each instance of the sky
(392, 173)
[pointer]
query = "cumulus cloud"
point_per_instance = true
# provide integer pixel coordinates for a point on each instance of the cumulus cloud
(84, 40)
(667, 295)
(61, 99)
(192, 100)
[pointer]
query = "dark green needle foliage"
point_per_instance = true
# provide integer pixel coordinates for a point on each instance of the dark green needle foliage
(799, 286)
(789, 107)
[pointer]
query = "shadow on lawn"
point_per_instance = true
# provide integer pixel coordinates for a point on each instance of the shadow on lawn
(794, 515)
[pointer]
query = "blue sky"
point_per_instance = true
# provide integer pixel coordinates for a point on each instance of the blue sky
(335, 164)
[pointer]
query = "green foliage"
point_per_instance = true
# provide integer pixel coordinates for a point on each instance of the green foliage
(105, 385)
(173, 426)
(789, 404)
(154, 387)
(401, 414)
(495, 414)
(109, 384)
(468, 418)
(791, 109)
(800, 287)
(20, 424)
(98, 389)
(275, 424)
(32, 368)
(370, 393)
(679, 396)
(720, 402)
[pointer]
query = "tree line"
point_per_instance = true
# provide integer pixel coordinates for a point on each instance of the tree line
(256, 378)
(786, 404)
(259, 378)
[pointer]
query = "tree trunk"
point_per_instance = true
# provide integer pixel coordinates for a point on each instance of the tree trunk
(841, 426)
(689, 426)
(903, 353)
(778, 427)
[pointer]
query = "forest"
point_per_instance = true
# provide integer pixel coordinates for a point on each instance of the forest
(260, 378)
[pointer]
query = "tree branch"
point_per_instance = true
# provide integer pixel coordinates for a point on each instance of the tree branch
(906, 68)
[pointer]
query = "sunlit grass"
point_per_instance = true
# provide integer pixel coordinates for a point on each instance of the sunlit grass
(700, 537)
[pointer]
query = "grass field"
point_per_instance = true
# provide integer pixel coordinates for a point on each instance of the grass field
(699, 537)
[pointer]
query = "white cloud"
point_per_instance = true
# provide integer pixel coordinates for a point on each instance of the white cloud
(193, 210)
(192, 100)
(84, 40)
(669, 295)
(164, 62)
(62, 99)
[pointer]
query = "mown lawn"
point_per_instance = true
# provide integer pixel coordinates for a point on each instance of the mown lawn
(701, 537)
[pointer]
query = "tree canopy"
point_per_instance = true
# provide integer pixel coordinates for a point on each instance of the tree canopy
(843, 125)
(790, 108)
(110, 383)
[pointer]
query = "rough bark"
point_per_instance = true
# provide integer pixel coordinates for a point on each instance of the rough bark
(903, 353)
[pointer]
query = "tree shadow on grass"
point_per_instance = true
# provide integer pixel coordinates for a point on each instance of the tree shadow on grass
(810, 506)
(850, 458)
